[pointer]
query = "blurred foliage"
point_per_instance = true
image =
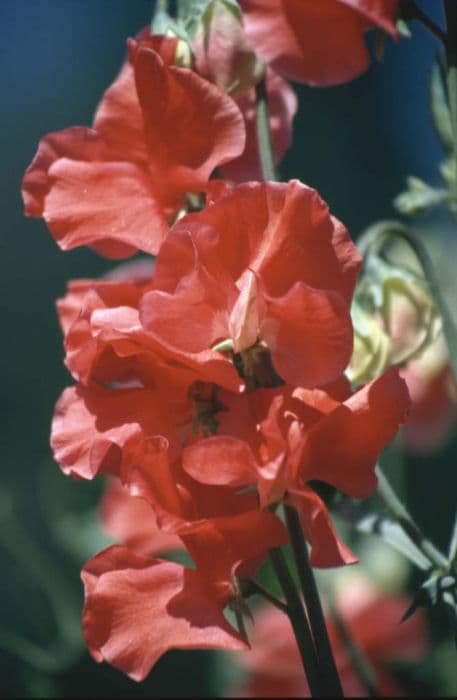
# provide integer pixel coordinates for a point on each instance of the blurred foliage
(355, 143)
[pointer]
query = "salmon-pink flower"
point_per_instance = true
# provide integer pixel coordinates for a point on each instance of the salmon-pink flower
(281, 440)
(137, 608)
(158, 133)
(318, 42)
(266, 267)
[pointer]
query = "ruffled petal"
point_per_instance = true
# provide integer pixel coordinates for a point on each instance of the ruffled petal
(343, 447)
(78, 143)
(109, 206)
(97, 430)
(191, 126)
(137, 608)
(220, 461)
(316, 42)
(327, 549)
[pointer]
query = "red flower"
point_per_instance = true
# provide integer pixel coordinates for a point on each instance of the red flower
(279, 440)
(159, 132)
(319, 42)
(137, 608)
(265, 266)
(273, 668)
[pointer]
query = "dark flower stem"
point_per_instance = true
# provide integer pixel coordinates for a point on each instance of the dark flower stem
(251, 587)
(263, 132)
(327, 668)
(299, 623)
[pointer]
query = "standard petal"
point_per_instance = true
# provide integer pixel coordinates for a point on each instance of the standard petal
(191, 126)
(309, 333)
(140, 608)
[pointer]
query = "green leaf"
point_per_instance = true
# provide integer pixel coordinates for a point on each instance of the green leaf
(381, 526)
(418, 197)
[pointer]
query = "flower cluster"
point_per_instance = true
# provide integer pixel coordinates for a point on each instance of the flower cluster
(211, 382)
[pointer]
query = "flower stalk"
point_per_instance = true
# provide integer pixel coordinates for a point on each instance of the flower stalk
(299, 623)
(263, 132)
(327, 668)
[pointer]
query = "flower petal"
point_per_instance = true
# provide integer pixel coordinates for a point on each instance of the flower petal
(137, 608)
(343, 447)
(309, 333)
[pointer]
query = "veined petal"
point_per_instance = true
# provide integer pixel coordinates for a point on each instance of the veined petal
(342, 448)
(327, 549)
(109, 206)
(191, 126)
(137, 608)
(309, 333)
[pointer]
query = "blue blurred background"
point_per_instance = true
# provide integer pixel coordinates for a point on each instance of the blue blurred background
(355, 144)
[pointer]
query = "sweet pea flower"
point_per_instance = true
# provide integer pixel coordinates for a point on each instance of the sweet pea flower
(158, 133)
(278, 441)
(265, 268)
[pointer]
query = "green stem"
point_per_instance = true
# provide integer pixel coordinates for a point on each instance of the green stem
(263, 132)
(298, 621)
(329, 674)
(450, 7)
(360, 663)
(452, 555)
(401, 515)
(374, 240)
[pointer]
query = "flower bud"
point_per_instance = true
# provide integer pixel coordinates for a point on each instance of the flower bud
(400, 301)
(222, 52)
(371, 353)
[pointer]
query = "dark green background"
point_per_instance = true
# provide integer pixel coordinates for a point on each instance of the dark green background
(355, 143)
